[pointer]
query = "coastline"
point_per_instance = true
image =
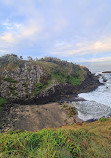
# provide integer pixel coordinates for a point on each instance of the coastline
(68, 94)
(60, 92)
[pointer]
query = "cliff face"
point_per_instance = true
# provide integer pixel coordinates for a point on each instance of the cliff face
(29, 82)
(20, 83)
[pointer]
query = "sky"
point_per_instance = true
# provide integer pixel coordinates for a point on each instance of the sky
(72, 30)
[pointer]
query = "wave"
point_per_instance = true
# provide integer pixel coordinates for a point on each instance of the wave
(98, 102)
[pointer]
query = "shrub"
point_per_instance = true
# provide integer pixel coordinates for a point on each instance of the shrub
(2, 102)
(71, 111)
(10, 79)
(39, 86)
(103, 119)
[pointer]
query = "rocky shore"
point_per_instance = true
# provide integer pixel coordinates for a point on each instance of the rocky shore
(32, 116)
(35, 90)
(106, 72)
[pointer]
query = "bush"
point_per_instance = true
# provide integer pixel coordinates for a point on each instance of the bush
(103, 119)
(10, 79)
(39, 86)
(2, 102)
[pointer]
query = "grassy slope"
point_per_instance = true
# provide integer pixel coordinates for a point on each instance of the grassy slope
(54, 69)
(89, 140)
(57, 73)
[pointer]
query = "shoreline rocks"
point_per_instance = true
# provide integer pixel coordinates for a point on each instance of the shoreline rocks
(106, 72)
(58, 92)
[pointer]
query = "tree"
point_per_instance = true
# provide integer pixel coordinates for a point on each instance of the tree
(29, 58)
(21, 57)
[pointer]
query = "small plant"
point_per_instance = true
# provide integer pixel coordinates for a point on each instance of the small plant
(24, 84)
(29, 69)
(73, 81)
(10, 79)
(2, 102)
(103, 119)
(71, 111)
(14, 93)
(59, 75)
(12, 88)
(39, 87)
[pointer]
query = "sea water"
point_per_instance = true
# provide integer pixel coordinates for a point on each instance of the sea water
(98, 102)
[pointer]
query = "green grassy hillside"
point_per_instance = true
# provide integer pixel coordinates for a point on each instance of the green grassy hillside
(87, 140)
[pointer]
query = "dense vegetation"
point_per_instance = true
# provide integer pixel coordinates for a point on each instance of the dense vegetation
(63, 71)
(91, 140)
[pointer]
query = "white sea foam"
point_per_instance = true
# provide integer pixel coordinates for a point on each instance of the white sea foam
(98, 102)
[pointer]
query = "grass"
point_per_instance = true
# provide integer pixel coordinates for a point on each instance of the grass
(94, 138)
(63, 74)
(74, 81)
(58, 75)
(91, 140)
(45, 143)
(66, 75)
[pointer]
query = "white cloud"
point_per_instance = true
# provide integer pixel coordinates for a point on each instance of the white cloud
(101, 59)
(15, 32)
(9, 26)
(7, 37)
(60, 24)
(24, 33)
(4, 51)
(87, 47)
(30, 30)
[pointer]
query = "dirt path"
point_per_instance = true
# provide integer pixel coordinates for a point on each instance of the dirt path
(34, 117)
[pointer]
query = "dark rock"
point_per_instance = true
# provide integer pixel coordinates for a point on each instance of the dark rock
(106, 72)
(91, 120)
(109, 115)
(62, 92)
(104, 79)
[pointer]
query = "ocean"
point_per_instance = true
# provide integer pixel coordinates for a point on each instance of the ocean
(98, 102)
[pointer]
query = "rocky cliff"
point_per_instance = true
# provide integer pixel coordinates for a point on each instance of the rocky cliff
(41, 81)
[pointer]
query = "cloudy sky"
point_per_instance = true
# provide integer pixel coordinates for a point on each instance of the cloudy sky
(73, 30)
